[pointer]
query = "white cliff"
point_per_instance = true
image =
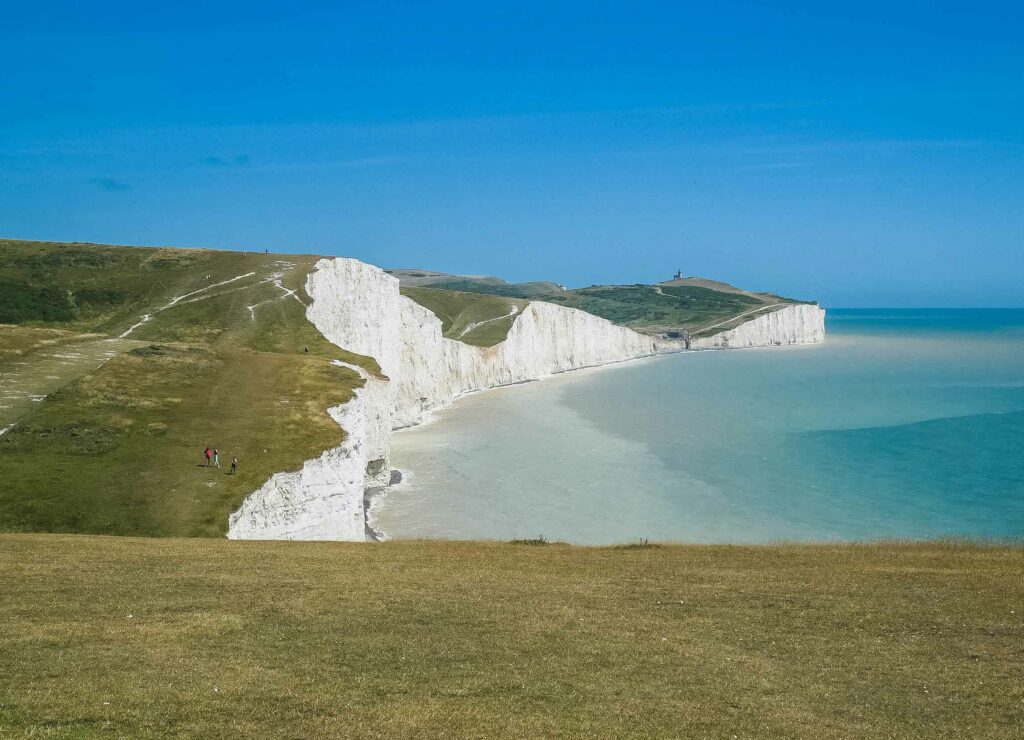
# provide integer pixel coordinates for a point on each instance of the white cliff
(794, 324)
(359, 307)
(544, 339)
(316, 502)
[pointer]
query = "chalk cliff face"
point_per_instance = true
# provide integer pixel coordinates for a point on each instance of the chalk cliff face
(359, 307)
(544, 339)
(316, 502)
(795, 324)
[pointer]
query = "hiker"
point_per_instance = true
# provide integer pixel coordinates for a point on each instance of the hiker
(306, 349)
(208, 453)
(234, 465)
(216, 457)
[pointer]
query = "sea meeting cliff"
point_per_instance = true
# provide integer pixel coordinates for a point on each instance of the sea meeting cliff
(360, 307)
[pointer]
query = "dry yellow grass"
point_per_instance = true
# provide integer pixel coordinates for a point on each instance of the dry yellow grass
(16, 341)
(204, 638)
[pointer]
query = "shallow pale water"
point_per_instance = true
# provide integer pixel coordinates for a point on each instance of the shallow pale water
(905, 423)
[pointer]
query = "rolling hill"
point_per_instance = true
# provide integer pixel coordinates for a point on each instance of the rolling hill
(681, 308)
(120, 364)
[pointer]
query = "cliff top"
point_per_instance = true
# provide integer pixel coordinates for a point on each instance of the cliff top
(690, 306)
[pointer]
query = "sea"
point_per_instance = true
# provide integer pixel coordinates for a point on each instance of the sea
(905, 423)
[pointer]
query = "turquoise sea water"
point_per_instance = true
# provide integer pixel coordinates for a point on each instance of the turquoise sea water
(905, 423)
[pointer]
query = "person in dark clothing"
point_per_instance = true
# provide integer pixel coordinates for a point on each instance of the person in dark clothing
(234, 465)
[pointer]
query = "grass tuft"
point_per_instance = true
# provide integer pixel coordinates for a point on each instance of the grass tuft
(538, 541)
(642, 544)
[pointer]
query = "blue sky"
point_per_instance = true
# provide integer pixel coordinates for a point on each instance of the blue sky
(863, 155)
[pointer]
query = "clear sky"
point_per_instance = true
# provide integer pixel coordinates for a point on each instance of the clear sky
(860, 153)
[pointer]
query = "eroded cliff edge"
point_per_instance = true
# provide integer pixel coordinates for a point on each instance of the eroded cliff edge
(359, 307)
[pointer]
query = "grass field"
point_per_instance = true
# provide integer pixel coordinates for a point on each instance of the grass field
(473, 318)
(226, 359)
(18, 341)
(201, 638)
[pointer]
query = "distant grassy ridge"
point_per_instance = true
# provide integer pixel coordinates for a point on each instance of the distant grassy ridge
(203, 638)
(648, 307)
(229, 361)
(654, 309)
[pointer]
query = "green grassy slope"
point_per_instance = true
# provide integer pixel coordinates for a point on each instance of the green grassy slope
(116, 449)
(134, 638)
(650, 308)
(473, 318)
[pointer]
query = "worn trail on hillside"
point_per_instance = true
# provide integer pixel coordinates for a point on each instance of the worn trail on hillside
(740, 316)
(177, 299)
(476, 324)
(25, 381)
(276, 279)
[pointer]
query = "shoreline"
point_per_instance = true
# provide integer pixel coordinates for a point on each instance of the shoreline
(376, 495)
(373, 496)
(876, 440)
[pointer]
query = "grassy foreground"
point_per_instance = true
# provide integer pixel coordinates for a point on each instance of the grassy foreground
(202, 638)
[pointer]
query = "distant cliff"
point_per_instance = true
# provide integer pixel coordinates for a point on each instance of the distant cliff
(794, 324)
(359, 307)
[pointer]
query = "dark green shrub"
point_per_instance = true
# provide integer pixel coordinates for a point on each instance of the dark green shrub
(20, 302)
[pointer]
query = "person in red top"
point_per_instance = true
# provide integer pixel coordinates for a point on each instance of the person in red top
(208, 453)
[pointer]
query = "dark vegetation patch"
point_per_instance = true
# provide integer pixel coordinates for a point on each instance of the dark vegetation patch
(21, 302)
(153, 350)
(642, 544)
(472, 286)
(538, 541)
(56, 256)
(102, 297)
(75, 438)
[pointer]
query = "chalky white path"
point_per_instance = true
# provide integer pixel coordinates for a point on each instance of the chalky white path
(146, 318)
(474, 324)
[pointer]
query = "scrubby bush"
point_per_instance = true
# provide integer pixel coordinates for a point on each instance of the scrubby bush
(100, 297)
(20, 302)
